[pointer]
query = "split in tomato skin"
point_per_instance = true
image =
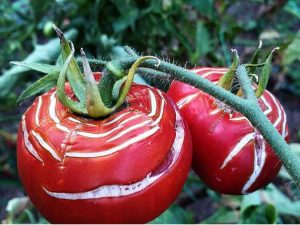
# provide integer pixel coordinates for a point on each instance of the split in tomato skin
(229, 154)
(127, 168)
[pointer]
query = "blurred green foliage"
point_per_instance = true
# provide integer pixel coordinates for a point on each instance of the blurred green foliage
(189, 32)
(197, 32)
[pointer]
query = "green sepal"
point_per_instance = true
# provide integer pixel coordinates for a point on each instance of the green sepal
(74, 75)
(94, 104)
(41, 67)
(128, 83)
(265, 74)
(42, 85)
(60, 61)
(115, 68)
(226, 80)
(254, 59)
(117, 88)
(105, 87)
(77, 107)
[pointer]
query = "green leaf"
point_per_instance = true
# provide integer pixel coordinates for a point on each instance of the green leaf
(42, 54)
(125, 20)
(105, 44)
(203, 42)
(9, 183)
(40, 8)
(122, 6)
(222, 215)
(293, 8)
(283, 204)
(42, 85)
(264, 213)
(20, 210)
(174, 215)
(192, 183)
(17, 205)
(41, 67)
(255, 210)
(30, 216)
(292, 52)
(205, 7)
(8, 102)
(42, 220)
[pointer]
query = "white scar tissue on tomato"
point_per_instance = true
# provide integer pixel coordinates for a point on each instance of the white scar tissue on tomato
(124, 190)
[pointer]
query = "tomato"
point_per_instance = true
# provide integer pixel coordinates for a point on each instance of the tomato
(126, 168)
(229, 154)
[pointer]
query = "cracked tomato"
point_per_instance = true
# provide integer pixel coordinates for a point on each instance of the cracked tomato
(126, 168)
(229, 154)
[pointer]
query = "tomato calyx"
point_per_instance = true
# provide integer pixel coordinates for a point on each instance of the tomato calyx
(227, 80)
(53, 140)
(244, 101)
(91, 99)
(95, 100)
(265, 74)
(230, 82)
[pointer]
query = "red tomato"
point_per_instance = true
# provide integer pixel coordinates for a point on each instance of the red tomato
(127, 168)
(229, 154)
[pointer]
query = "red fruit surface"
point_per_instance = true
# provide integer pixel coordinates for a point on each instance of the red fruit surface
(229, 154)
(126, 168)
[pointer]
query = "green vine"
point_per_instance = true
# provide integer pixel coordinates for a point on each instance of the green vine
(246, 105)
(103, 98)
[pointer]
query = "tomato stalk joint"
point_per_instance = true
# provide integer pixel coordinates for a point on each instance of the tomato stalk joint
(89, 101)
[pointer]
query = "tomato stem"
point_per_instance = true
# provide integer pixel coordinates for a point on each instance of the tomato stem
(246, 105)
(92, 101)
(259, 120)
(245, 84)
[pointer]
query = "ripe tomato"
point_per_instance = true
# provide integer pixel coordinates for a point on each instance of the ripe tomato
(126, 168)
(229, 154)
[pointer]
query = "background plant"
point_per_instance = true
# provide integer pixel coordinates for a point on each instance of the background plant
(188, 32)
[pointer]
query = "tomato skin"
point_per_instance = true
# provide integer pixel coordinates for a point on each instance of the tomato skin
(157, 164)
(224, 152)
